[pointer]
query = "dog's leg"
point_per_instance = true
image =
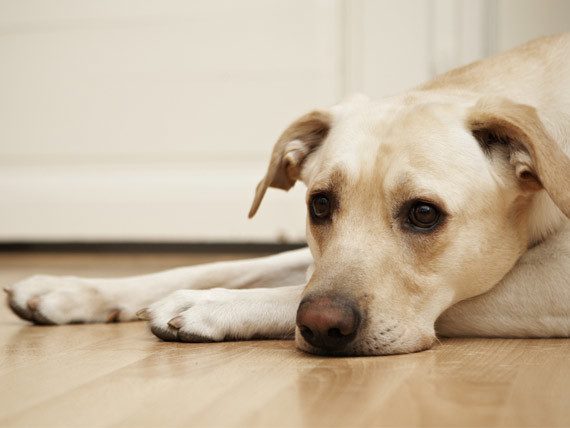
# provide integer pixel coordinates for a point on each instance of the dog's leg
(533, 300)
(222, 314)
(45, 299)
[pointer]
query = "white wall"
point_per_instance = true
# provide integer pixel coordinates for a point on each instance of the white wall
(522, 20)
(152, 120)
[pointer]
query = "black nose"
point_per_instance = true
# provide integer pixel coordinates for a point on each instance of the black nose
(328, 323)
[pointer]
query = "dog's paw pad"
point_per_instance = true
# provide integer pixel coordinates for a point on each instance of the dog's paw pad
(185, 336)
(22, 312)
(164, 333)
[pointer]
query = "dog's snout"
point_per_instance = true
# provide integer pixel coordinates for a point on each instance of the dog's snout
(328, 323)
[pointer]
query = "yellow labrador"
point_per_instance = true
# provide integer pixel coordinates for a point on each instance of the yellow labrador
(441, 210)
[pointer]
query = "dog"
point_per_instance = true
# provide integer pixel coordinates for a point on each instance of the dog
(441, 211)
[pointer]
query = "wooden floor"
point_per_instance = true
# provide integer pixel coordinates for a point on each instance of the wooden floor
(121, 375)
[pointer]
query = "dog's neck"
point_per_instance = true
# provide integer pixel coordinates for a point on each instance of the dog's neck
(545, 219)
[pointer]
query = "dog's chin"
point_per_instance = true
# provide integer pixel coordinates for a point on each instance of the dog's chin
(368, 347)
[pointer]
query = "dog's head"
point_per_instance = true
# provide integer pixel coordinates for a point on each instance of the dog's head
(413, 205)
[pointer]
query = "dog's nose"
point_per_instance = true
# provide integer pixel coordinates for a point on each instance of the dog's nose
(328, 323)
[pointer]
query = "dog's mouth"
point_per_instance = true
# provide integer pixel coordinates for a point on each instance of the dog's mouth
(386, 341)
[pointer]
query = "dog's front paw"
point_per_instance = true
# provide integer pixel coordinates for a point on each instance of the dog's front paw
(46, 299)
(197, 316)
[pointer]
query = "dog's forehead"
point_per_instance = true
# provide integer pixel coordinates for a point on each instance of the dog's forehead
(422, 143)
(431, 135)
(354, 140)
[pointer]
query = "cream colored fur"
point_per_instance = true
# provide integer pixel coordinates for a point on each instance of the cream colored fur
(499, 266)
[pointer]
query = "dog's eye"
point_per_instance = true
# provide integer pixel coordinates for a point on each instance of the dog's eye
(320, 207)
(423, 216)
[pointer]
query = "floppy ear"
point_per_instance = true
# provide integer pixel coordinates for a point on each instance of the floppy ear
(292, 148)
(538, 160)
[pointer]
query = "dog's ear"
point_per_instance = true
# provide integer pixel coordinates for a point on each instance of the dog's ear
(292, 148)
(517, 131)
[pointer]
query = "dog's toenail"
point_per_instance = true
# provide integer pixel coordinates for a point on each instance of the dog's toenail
(33, 303)
(143, 314)
(176, 322)
(114, 315)
(8, 290)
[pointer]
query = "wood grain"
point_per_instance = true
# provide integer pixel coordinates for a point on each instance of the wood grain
(120, 375)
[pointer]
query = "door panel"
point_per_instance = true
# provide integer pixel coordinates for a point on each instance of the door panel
(127, 120)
